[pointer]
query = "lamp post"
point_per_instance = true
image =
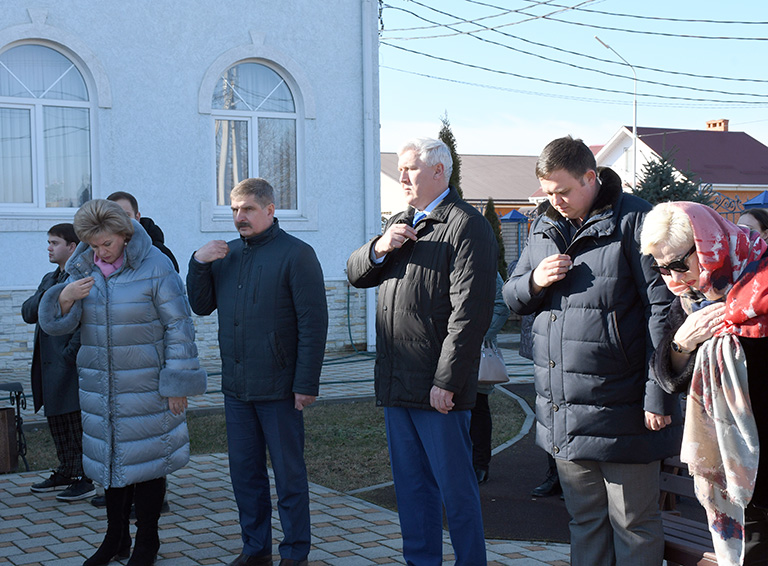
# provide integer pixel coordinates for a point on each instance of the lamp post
(634, 113)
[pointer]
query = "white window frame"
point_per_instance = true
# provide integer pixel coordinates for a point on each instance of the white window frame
(252, 117)
(35, 216)
(216, 218)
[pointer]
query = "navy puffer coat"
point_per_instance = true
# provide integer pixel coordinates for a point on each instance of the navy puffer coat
(594, 333)
(138, 349)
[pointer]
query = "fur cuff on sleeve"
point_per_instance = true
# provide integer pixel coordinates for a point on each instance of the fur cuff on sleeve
(182, 383)
(49, 314)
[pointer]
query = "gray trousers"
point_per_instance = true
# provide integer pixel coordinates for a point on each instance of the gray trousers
(614, 508)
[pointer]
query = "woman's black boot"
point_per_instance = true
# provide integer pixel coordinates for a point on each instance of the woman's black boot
(149, 496)
(117, 541)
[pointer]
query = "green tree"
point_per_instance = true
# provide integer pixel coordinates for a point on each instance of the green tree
(660, 182)
(446, 136)
(493, 219)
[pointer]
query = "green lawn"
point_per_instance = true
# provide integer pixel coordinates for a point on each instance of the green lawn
(346, 445)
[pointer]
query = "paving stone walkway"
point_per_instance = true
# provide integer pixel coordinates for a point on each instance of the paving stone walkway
(202, 526)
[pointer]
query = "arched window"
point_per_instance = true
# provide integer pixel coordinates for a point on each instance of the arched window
(256, 128)
(45, 130)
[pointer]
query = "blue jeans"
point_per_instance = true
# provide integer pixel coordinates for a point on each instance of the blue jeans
(252, 428)
(431, 457)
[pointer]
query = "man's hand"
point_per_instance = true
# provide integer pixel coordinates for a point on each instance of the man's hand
(441, 399)
(395, 236)
(656, 422)
(550, 270)
(300, 401)
(213, 250)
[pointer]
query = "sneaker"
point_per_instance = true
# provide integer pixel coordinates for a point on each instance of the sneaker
(54, 483)
(80, 489)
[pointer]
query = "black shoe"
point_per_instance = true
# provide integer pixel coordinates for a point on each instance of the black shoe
(550, 486)
(81, 489)
(292, 562)
(248, 560)
(55, 482)
(99, 501)
(481, 475)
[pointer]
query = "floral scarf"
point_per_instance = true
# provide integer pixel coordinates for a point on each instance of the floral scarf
(720, 443)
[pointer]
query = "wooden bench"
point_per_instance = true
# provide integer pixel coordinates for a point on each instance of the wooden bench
(687, 542)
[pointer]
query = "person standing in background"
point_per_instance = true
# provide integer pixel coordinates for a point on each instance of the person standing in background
(54, 379)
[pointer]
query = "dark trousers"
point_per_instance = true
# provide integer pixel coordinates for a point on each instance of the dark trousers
(480, 431)
(755, 536)
(431, 456)
(67, 433)
(252, 428)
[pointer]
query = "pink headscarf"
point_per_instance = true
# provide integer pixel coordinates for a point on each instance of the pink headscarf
(726, 253)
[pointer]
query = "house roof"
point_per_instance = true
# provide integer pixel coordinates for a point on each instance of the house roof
(728, 158)
(506, 178)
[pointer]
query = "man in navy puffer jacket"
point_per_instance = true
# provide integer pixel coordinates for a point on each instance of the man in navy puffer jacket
(600, 312)
(269, 291)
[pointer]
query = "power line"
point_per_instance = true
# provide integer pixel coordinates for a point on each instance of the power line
(549, 17)
(662, 19)
(458, 32)
(724, 105)
(659, 33)
(637, 16)
(561, 50)
(562, 83)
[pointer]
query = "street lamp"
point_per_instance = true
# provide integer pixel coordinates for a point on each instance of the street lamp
(634, 113)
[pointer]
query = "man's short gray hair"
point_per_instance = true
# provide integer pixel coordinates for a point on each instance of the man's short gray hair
(431, 152)
(260, 189)
(666, 224)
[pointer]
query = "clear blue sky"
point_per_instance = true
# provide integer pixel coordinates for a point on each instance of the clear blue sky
(520, 115)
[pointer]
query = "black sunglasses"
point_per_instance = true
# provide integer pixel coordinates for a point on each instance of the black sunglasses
(678, 265)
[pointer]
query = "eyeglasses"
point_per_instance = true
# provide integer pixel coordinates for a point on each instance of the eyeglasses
(678, 265)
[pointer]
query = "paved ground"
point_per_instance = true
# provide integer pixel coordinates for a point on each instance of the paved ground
(202, 527)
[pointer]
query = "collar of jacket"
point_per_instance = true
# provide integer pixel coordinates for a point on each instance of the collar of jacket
(440, 212)
(81, 263)
(608, 196)
(264, 237)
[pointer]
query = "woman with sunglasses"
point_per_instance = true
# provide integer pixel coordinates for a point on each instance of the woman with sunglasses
(715, 347)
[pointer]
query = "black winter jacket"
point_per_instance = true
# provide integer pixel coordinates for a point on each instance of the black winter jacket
(158, 239)
(435, 304)
(273, 318)
(594, 333)
(54, 367)
(756, 352)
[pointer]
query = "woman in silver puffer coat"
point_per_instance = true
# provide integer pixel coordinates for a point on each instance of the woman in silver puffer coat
(137, 365)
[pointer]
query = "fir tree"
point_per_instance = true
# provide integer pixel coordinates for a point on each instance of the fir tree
(660, 182)
(446, 136)
(493, 219)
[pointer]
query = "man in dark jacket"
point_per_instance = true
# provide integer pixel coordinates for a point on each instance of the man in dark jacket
(435, 266)
(54, 380)
(131, 207)
(600, 312)
(269, 291)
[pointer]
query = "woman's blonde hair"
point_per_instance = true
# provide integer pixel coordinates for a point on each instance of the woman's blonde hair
(666, 224)
(98, 216)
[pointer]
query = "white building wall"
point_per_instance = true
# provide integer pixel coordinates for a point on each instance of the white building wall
(150, 137)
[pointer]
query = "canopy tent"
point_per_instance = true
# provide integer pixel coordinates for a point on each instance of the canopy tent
(514, 216)
(760, 201)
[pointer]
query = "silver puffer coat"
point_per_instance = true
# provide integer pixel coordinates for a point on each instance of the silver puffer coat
(138, 349)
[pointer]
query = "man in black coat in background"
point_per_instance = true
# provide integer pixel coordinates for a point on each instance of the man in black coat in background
(131, 207)
(54, 380)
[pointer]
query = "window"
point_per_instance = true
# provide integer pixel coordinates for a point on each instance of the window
(255, 127)
(45, 132)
